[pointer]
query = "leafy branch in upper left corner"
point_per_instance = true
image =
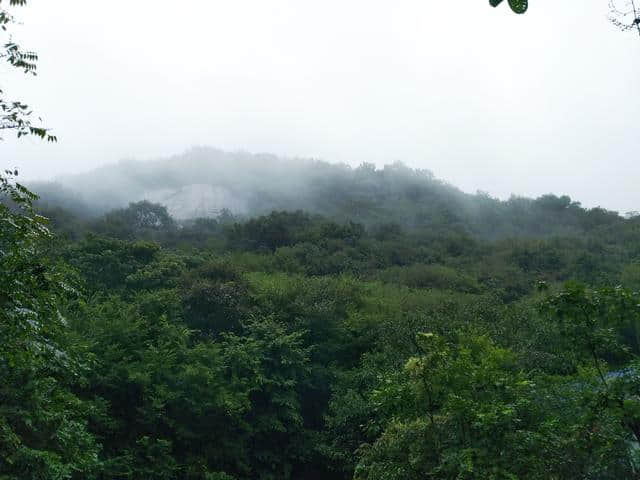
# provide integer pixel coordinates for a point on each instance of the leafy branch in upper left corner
(16, 115)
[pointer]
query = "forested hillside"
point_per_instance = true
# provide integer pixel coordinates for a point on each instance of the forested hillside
(387, 327)
(206, 182)
(236, 316)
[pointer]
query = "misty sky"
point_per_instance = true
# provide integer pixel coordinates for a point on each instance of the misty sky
(487, 100)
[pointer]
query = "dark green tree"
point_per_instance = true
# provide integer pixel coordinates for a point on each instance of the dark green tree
(43, 424)
(142, 219)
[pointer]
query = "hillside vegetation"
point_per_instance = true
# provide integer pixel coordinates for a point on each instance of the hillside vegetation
(345, 323)
(205, 182)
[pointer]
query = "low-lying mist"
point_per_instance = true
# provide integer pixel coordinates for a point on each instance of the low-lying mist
(205, 182)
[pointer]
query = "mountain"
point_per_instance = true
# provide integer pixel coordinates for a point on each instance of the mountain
(203, 182)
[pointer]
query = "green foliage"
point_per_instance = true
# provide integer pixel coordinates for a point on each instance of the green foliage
(518, 6)
(214, 298)
(292, 346)
(409, 200)
(389, 331)
(454, 409)
(174, 407)
(139, 220)
(164, 400)
(465, 410)
(630, 276)
(599, 324)
(107, 263)
(279, 229)
(430, 276)
(43, 431)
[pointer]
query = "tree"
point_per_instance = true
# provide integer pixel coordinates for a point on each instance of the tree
(214, 298)
(466, 410)
(15, 115)
(142, 219)
(43, 425)
(601, 327)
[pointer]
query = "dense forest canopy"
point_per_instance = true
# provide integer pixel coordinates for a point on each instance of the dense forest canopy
(392, 327)
(219, 316)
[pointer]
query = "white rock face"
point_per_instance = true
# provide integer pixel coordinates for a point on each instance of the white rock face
(198, 200)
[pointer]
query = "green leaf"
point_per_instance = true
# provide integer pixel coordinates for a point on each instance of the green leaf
(519, 6)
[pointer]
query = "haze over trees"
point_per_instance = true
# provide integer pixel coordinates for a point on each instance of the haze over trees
(302, 320)
(451, 335)
(204, 182)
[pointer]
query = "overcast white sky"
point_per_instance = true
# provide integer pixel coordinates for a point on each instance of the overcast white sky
(545, 102)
